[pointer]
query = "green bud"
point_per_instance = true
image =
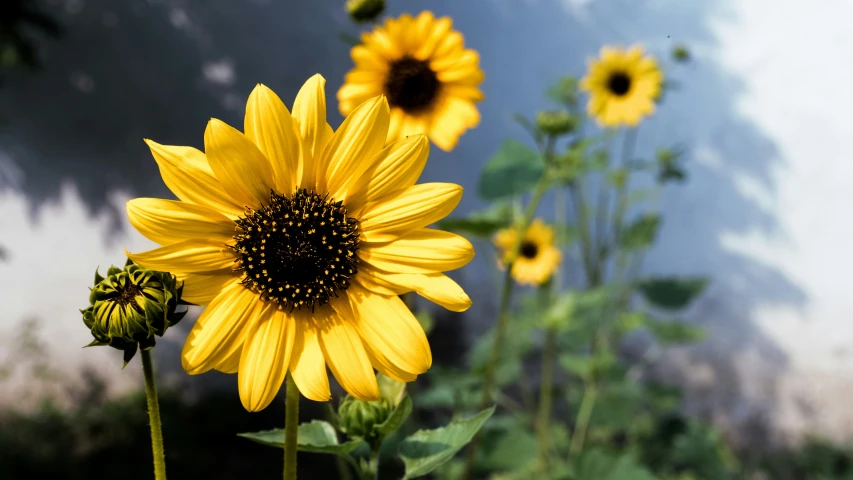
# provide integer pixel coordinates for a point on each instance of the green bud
(130, 307)
(555, 122)
(681, 54)
(362, 11)
(357, 417)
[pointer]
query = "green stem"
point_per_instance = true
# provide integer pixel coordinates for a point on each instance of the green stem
(506, 297)
(582, 420)
(583, 230)
(630, 139)
(291, 425)
(543, 419)
(154, 417)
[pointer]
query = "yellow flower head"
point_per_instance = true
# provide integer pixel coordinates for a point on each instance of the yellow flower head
(538, 258)
(623, 86)
(298, 239)
(422, 66)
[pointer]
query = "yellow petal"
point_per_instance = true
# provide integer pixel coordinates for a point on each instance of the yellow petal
(309, 111)
(381, 363)
(220, 330)
(188, 256)
(170, 221)
(230, 364)
(269, 125)
(374, 280)
(398, 166)
(435, 287)
(239, 166)
(422, 251)
(350, 150)
(266, 356)
(307, 364)
(188, 175)
(202, 288)
(413, 208)
(345, 355)
(387, 325)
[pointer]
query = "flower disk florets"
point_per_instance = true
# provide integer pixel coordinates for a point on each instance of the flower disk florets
(298, 251)
(131, 307)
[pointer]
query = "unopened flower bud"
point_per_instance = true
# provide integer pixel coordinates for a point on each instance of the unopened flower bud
(681, 54)
(357, 417)
(130, 307)
(362, 11)
(555, 122)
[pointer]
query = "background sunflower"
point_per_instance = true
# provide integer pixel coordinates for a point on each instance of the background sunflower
(430, 78)
(623, 86)
(538, 258)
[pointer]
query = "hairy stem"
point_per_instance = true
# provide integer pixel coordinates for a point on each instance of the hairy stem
(154, 417)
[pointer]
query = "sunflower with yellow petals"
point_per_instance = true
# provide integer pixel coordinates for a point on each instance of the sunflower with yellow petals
(299, 240)
(538, 258)
(422, 66)
(623, 86)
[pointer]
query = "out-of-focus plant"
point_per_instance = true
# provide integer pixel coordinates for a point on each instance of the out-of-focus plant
(21, 23)
(617, 424)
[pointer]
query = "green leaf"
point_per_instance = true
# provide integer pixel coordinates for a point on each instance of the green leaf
(513, 170)
(671, 293)
(426, 450)
(641, 233)
(528, 126)
(559, 314)
(396, 419)
(475, 227)
(349, 39)
(668, 333)
(579, 365)
(597, 465)
(317, 437)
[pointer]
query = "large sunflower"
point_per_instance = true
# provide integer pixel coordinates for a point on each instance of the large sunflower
(299, 239)
(537, 259)
(430, 79)
(623, 86)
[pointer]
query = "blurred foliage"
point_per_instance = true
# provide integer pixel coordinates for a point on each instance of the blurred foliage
(22, 24)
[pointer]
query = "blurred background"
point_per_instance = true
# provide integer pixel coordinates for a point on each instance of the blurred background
(762, 110)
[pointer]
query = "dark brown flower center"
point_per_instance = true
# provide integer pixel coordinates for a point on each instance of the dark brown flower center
(411, 85)
(298, 251)
(619, 83)
(529, 249)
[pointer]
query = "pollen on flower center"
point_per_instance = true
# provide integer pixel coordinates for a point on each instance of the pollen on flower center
(128, 294)
(529, 249)
(411, 85)
(619, 83)
(298, 251)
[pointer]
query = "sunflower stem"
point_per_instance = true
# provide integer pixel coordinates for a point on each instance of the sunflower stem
(154, 416)
(291, 424)
(545, 394)
(629, 141)
(506, 297)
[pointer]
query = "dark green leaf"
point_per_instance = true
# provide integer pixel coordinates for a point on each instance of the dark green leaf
(350, 40)
(671, 293)
(426, 450)
(317, 437)
(509, 449)
(513, 170)
(641, 233)
(396, 419)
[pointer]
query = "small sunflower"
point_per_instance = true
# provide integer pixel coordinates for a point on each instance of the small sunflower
(430, 79)
(623, 86)
(538, 258)
(298, 239)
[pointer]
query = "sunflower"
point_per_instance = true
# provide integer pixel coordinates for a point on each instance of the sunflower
(623, 86)
(430, 79)
(298, 239)
(537, 259)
